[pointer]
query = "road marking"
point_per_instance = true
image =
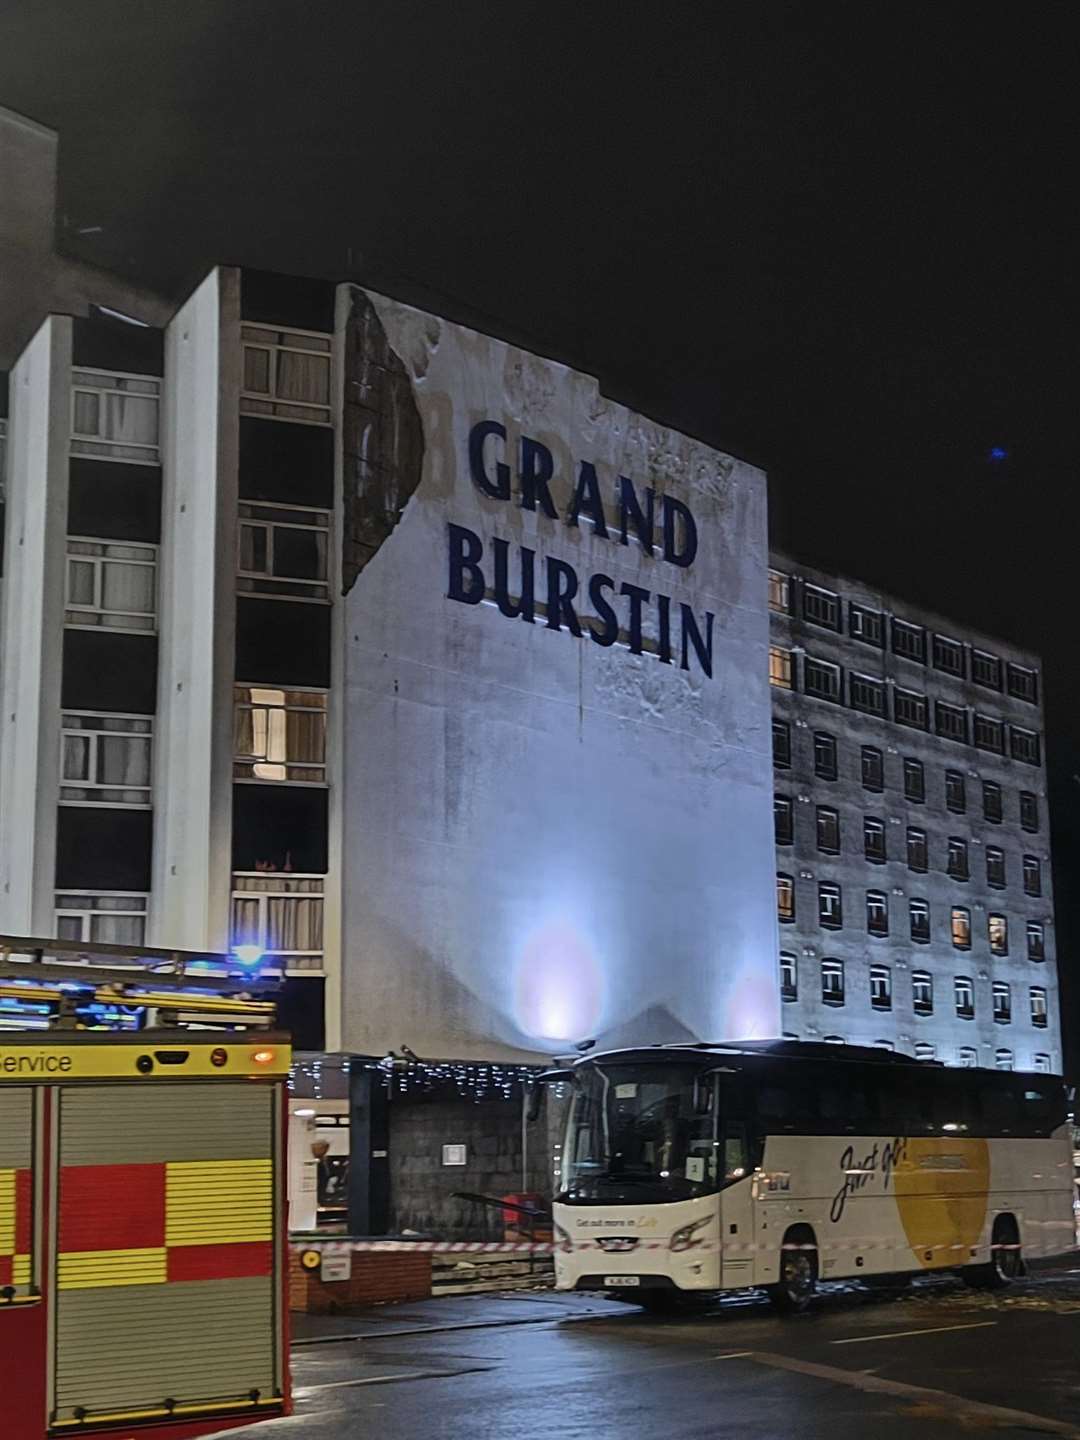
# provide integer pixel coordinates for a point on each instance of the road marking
(955, 1404)
(903, 1334)
(733, 1355)
(304, 1391)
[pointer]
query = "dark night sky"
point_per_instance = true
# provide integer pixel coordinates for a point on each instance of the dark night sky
(838, 239)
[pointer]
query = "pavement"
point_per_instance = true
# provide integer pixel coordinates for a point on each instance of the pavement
(935, 1360)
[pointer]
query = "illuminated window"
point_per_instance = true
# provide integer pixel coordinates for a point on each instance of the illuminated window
(828, 830)
(111, 586)
(785, 898)
(1002, 1002)
(874, 843)
(1041, 1063)
(115, 417)
(1003, 1059)
(914, 781)
(825, 757)
(783, 820)
(924, 1051)
(867, 694)
(961, 928)
(965, 997)
(919, 914)
(822, 679)
(986, 669)
(956, 859)
(832, 982)
(967, 1057)
(995, 867)
(282, 915)
(997, 929)
(1024, 745)
(789, 976)
(989, 734)
(909, 641)
(866, 625)
(279, 734)
(922, 992)
(1036, 940)
(101, 917)
(1037, 997)
(1023, 683)
(955, 792)
(880, 987)
(992, 804)
(951, 722)
(780, 668)
(873, 768)
(877, 912)
(283, 552)
(910, 708)
(884, 1045)
(781, 744)
(1032, 875)
(105, 759)
(779, 592)
(830, 908)
(1029, 811)
(286, 374)
(834, 1040)
(948, 655)
(821, 607)
(916, 849)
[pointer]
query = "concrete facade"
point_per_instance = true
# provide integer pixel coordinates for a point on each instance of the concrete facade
(906, 705)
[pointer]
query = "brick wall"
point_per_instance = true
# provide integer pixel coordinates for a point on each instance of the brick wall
(377, 1279)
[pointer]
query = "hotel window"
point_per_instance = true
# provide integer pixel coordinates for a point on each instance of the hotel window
(1032, 875)
(828, 830)
(1024, 745)
(115, 417)
(910, 708)
(1036, 940)
(916, 850)
(925, 1051)
(1041, 1064)
(282, 915)
(825, 764)
(821, 607)
(948, 655)
(995, 867)
(1002, 1003)
(986, 669)
(832, 982)
(279, 734)
(919, 913)
(111, 586)
(286, 374)
(997, 930)
(283, 551)
(1023, 683)
(961, 928)
(989, 734)
(866, 625)
(967, 1057)
(884, 1045)
(873, 768)
(922, 992)
(834, 1040)
(874, 843)
(781, 744)
(781, 672)
(877, 912)
(789, 976)
(955, 792)
(822, 679)
(830, 909)
(1029, 812)
(1037, 997)
(909, 641)
(867, 694)
(914, 781)
(956, 860)
(992, 807)
(1003, 1059)
(880, 987)
(105, 759)
(779, 592)
(785, 898)
(783, 820)
(951, 722)
(965, 997)
(101, 918)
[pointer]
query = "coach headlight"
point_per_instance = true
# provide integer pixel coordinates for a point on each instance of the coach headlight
(684, 1237)
(563, 1239)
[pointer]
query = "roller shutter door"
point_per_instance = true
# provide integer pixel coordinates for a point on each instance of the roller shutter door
(166, 1270)
(16, 1189)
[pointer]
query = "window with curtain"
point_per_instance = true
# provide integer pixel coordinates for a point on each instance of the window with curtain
(286, 374)
(107, 919)
(115, 417)
(283, 551)
(111, 586)
(279, 734)
(282, 914)
(105, 759)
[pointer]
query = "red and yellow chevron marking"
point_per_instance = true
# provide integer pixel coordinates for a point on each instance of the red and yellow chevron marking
(15, 1227)
(161, 1223)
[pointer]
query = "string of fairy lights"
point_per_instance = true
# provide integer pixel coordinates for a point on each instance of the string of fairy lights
(319, 1078)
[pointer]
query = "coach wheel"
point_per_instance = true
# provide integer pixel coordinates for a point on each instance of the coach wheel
(1006, 1258)
(794, 1290)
